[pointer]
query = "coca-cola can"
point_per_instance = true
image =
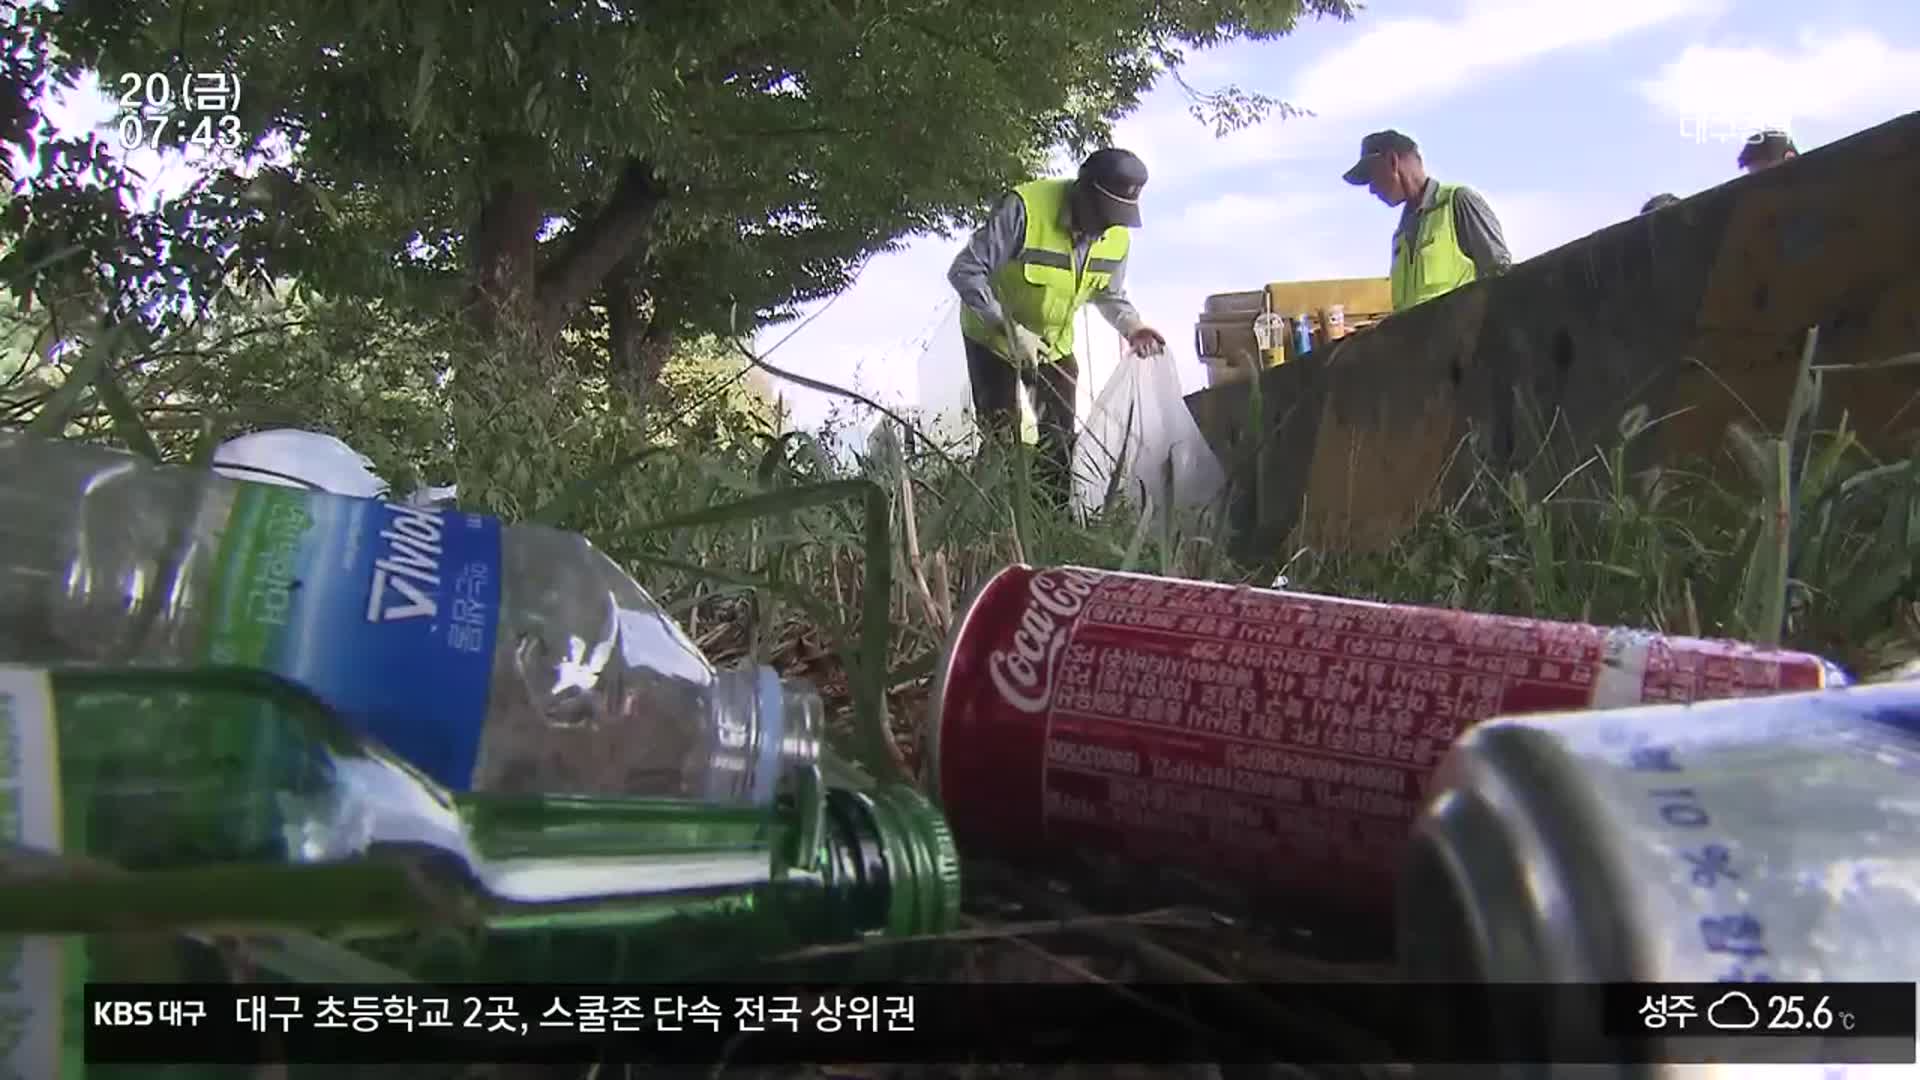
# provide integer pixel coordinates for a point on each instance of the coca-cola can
(1277, 742)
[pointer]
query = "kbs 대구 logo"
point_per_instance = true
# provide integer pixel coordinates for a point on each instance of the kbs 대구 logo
(1024, 673)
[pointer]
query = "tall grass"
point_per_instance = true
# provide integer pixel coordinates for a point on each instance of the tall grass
(1799, 537)
(849, 566)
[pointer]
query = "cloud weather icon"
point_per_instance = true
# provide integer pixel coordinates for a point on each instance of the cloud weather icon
(1733, 1012)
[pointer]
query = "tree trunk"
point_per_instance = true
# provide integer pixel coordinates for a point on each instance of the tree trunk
(656, 348)
(503, 245)
(640, 344)
(591, 252)
(626, 323)
(513, 293)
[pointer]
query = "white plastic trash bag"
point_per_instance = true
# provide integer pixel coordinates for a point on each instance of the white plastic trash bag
(431, 497)
(1138, 428)
(289, 457)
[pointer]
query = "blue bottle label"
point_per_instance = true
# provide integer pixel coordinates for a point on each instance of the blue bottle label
(386, 612)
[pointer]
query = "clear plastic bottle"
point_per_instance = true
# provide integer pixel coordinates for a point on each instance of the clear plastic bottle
(505, 658)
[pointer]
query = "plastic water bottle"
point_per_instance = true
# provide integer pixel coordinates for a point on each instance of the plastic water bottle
(508, 658)
(1303, 333)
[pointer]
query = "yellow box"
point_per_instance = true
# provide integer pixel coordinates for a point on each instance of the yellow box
(1360, 296)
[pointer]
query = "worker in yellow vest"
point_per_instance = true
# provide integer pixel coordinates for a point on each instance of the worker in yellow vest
(1050, 248)
(1447, 235)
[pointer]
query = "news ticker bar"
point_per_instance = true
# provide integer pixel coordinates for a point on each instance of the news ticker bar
(748, 1024)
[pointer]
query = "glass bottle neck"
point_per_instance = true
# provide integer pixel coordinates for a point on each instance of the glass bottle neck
(826, 853)
(762, 726)
(558, 851)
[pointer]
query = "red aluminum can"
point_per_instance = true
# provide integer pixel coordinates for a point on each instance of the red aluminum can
(1279, 742)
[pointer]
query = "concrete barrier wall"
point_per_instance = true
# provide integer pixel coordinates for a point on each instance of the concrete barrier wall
(1699, 311)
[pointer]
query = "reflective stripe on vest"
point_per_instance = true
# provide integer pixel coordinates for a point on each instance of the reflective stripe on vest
(1038, 288)
(1435, 265)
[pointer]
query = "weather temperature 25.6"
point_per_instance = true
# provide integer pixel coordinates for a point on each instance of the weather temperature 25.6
(1791, 1012)
(1833, 1010)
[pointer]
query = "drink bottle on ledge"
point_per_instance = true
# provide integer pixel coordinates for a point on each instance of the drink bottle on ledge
(506, 658)
(231, 798)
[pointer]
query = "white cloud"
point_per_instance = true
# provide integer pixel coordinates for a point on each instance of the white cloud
(1401, 61)
(1836, 82)
(1173, 141)
(1243, 215)
(1387, 66)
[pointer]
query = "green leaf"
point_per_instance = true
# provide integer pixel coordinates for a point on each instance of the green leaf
(594, 485)
(52, 420)
(423, 77)
(208, 443)
(823, 616)
(913, 670)
(126, 419)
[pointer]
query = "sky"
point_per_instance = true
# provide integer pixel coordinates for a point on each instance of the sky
(1566, 114)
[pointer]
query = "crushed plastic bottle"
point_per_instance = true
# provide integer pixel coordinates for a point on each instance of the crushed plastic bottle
(507, 658)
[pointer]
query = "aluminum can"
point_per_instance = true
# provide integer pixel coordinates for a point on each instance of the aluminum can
(1728, 841)
(1274, 741)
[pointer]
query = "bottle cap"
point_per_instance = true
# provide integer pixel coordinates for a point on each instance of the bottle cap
(923, 866)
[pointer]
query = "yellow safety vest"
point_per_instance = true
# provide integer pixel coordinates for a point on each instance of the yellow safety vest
(1433, 265)
(1040, 288)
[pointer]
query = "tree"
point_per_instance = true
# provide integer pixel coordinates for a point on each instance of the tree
(671, 164)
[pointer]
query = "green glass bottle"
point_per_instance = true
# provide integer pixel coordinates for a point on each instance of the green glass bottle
(884, 867)
(232, 799)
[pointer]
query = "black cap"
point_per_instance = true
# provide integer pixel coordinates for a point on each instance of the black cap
(1375, 145)
(1114, 178)
(1659, 202)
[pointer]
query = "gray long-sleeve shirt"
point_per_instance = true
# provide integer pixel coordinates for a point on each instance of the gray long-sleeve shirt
(1003, 237)
(1474, 225)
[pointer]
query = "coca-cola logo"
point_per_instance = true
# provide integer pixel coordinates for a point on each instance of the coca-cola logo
(1024, 673)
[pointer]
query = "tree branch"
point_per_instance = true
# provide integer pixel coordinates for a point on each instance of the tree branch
(597, 246)
(806, 131)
